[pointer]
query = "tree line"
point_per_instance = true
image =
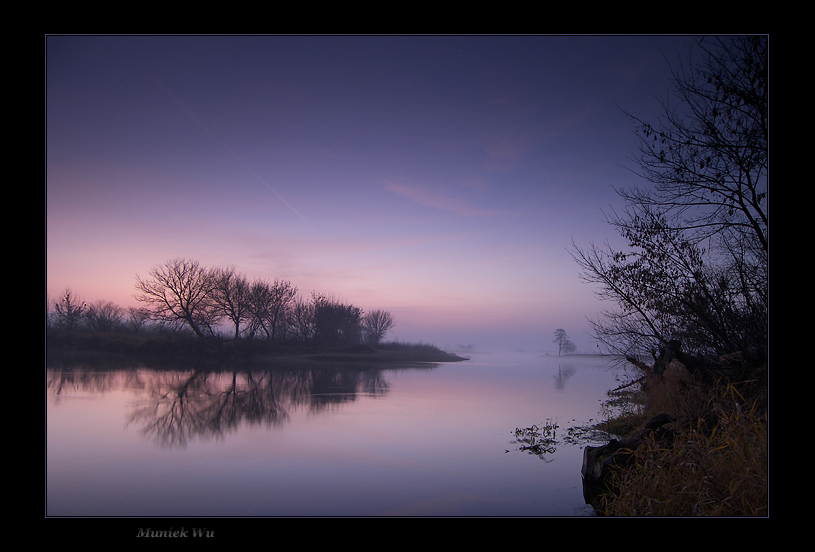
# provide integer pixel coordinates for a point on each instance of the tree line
(183, 295)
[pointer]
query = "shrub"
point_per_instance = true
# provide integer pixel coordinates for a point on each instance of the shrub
(715, 467)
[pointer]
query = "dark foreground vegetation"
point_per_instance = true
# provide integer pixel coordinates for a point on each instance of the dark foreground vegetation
(691, 296)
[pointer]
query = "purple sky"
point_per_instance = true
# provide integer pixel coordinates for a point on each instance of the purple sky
(440, 178)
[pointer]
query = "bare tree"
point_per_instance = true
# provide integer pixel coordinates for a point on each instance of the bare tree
(270, 305)
(375, 324)
(180, 292)
(104, 316)
(706, 158)
(695, 270)
(137, 318)
(231, 296)
(301, 320)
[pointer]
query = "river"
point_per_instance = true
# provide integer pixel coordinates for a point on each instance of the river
(422, 440)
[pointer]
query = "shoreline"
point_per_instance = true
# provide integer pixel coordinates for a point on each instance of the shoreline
(162, 349)
(384, 355)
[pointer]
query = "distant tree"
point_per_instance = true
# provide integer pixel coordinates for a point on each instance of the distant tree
(301, 320)
(270, 305)
(231, 296)
(375, 324)
(69, 310)
(562, 340)
(137, 318)
(180, 292)
(104, 316)
(336, 323)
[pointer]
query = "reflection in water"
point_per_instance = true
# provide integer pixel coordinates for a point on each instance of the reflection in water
(173, 407)
(244, 440)
(564, 372)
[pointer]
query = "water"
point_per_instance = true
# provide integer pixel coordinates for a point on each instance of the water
(428, 440)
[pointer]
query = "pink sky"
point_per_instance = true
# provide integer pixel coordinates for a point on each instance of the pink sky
(440, 178)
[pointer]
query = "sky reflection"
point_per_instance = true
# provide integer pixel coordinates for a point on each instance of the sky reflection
(433, 441)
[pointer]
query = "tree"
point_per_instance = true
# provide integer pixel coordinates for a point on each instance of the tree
(301, 320)
(231, 296)
(336, 323)
(695, 270)
(706, 159)
(137, 318)
(104, 316)
(180, 292)
(270, 305)
(376, 324)
(562, 340)
(69, 310)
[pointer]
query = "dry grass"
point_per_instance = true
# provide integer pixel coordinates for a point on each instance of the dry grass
(716, 466)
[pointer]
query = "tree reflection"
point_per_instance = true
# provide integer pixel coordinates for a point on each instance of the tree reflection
(174, 407)
(564, 372)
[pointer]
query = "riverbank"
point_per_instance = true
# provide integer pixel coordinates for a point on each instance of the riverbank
(710, 458)
(173, 348)
(386, 352)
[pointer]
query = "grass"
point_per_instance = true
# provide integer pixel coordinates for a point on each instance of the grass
(716, 464)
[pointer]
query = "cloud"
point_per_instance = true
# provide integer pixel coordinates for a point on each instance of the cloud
(506, 151)
(430, 198)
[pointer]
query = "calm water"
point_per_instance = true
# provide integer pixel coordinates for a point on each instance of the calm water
(429, 440)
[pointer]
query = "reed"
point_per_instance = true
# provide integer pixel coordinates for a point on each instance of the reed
(716, 466)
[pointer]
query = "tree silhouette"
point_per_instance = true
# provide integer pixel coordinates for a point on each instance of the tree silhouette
(69, 310)
(376, 324)
(231, 296)
(180, 292)
(336, 323)
(562, 340)
(696, 268)
(271, 304)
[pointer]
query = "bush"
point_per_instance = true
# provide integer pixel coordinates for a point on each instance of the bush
(715, 467)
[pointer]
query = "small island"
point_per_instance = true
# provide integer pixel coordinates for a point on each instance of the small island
(387, 352)
(162, 348)
(190, 312)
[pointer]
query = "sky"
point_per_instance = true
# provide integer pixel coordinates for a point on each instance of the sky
(441, 178)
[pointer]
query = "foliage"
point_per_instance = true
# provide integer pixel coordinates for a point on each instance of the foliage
(336, 323)
(717, 466)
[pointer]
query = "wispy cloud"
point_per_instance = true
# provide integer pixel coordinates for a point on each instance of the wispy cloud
(431, 198)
